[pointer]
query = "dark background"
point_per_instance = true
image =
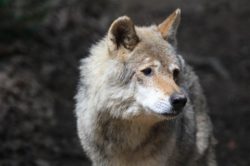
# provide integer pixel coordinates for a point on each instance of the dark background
(41, 43)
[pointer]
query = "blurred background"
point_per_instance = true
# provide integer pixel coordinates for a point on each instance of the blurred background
(41, 43)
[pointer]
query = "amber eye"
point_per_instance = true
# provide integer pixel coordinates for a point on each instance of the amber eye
(176, 74)
(147, 72)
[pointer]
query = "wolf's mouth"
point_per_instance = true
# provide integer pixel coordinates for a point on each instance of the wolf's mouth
(172, 114)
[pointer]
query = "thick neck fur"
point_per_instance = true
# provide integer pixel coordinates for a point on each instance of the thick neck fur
(124, 139)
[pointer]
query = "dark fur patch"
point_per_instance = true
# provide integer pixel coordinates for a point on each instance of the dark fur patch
(124, 33)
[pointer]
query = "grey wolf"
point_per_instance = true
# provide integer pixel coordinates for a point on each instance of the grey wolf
(139, 103)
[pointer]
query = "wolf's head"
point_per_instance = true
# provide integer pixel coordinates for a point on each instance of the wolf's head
(151, 64)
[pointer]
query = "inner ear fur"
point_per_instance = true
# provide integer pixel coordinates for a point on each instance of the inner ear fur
(169, 27)
(122, 34)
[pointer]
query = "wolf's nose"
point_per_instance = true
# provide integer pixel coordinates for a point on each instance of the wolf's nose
(178, 101)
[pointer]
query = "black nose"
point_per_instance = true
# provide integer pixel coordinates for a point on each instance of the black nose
(178, 101)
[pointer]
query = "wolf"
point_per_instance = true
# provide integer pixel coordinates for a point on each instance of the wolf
(139, 103)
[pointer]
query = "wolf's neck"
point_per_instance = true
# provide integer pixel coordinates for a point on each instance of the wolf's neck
(129, 135)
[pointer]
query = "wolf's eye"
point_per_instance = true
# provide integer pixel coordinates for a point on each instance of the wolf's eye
(147, 71)
(176, 74)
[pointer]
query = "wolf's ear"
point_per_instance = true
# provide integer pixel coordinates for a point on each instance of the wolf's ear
(169, 27)
(122, 34)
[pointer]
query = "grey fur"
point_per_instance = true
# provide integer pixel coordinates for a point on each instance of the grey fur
(110, 137)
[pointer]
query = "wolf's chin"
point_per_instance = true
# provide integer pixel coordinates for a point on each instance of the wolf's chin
(169, 114)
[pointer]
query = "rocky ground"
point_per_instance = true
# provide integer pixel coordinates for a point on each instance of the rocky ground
(41, 43)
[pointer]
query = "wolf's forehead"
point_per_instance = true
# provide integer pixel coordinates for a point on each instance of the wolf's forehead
(152, 42)
(152, 47)
(150, 36)
(148, 52)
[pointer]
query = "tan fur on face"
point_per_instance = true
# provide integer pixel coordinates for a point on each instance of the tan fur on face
(168, 87)
(154, 52)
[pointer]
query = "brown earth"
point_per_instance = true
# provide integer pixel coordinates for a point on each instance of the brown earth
(41, 43)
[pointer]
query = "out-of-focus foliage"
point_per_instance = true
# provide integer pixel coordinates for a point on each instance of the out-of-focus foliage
(3, 3)
(23, 17)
